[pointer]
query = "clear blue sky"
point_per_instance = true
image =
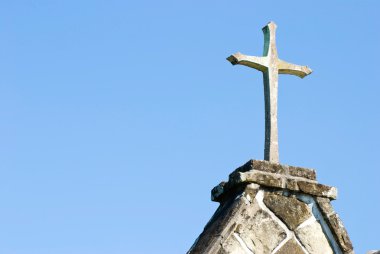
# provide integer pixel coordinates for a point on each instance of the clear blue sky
(118, 117)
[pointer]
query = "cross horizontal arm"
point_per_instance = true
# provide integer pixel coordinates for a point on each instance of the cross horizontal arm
(258, 63)
(293, 69)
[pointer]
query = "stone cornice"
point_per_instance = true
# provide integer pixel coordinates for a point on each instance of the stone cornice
(274, 175)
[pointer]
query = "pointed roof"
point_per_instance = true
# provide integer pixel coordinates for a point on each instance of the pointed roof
(271, 208)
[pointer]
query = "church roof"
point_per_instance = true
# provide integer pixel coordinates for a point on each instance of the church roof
(272, 208)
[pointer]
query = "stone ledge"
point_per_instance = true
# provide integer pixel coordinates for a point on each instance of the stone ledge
(269, 167)
(276, 176)
(275, 181)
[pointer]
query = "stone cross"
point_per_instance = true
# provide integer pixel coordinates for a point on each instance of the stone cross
(270, 65)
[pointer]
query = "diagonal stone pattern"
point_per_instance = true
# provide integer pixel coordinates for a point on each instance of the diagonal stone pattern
(289, 209)
(264, 212)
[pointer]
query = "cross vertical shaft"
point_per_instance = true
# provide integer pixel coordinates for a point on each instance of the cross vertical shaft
(270, 65)
(271, 94)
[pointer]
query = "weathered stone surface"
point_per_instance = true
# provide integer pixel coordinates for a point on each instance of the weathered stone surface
(302, 172)
(325, 206)
(269, 167)
(231, 246)
(220, 226)
(291, 184)
(335, 224)
(373, 252)
(313, 239)
(262, 178)
(318, 189)
(271, 180)
(256, 230)
(241, 206)
(280, 181)
(340, 233)
(290, 247)
(289, 209)
(264, 166)
(240, 226)
(275, 181)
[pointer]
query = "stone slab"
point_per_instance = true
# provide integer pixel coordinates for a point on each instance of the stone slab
(325, 206)
(303, 172)
(262, 178)
(341, 234)
(289, 209)
(318, 189)
(336, 225)
(276, 168)
(255, 230)
(284, 182)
